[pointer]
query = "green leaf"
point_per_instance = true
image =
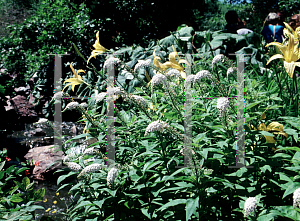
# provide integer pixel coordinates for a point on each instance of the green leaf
(21, 170)
(266, 167)
(2, 165)
(292, 186)
(265, 133)
(172, 203)
(191, 207)
(16, 199)
(84, 203)
(149, 165)
(39, 194)
(63, 177)
(25, 182)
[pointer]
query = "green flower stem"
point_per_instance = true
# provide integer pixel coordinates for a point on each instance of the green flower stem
(296, 91)
(173, 103)
(163, 151)
(202, 96)
(279, 83)
(89, 118)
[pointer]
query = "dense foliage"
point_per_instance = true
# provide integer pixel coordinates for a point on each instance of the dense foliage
(153, 80)
(145, 175)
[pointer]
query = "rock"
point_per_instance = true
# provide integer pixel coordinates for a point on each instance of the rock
(24, 109)
(42, 158)
(37, 132)
(22, 90)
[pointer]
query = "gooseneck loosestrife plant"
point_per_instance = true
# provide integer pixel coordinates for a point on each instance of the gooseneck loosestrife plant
(149, 179)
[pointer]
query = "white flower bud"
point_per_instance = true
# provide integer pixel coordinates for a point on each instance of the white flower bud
(140, 100)
(218, 58)
(90, 151)
(58, 95)
(100, 97)
(74, 166)
(249, 205)
(142, 63)
(111, 176)
(156, 126)
(231, 70)
(90, 169)
(84, 104)
(173, 72)
(189, 80)
(110, 61)
(222, 103)
(158, 79)
(72, 105)
(42, 120)
(202, 74)
(296, 198)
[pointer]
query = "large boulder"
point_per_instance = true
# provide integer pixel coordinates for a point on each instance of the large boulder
(46, 160)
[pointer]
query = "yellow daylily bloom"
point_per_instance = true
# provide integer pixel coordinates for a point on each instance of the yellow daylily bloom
(99, 49)
(272, 127)
(290, 54)
(172, 63)
(75, 80)
(289, 30)
(157, 63)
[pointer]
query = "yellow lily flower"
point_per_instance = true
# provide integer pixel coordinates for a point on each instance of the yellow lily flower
(157, 63)
(76, 80)
(289, 30)
(290, 54)
(99, 49)
(172, 63)
(274, 126)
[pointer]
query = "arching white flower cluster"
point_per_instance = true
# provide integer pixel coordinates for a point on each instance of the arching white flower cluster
(217, 59)
(249, 205)
(74, 166)
(72, 105)
(140, 100)
(111, 61)
(202, 74)
(111, 176)
(173, 73)
(142, 63)
(222, 103)
(156, 126)
(231, 70)
(90, 169)
(296, 198)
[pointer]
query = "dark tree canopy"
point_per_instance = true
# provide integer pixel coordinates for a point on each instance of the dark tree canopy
(139, 20)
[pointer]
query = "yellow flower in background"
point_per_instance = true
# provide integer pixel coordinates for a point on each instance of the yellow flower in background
(172, 63)
(57, 194)
(99, 49)
(54, 211)
(54, 202)
(275, 128)
(47, 210)
(45, 200)
(75, 80)
(289, 30)
(290, 54)
(157, 63)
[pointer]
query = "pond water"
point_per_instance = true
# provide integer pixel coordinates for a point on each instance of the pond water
(36, 135)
